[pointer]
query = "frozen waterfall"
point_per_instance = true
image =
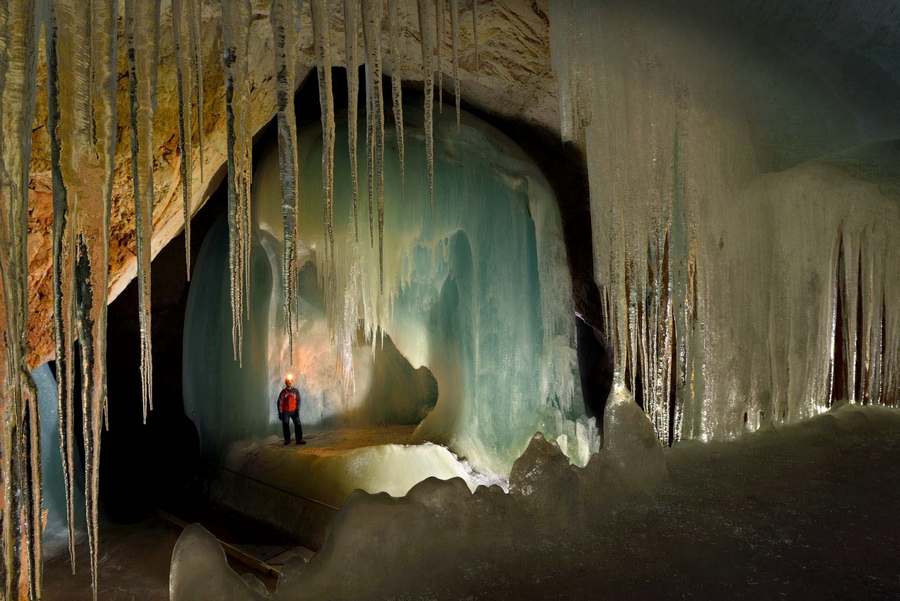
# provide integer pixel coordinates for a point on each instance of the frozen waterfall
(476, 289)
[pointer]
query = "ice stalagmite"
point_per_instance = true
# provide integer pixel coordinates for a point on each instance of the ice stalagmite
(185, 80)
(454, 27)
(372, 20)
(351, 33)
(19, 429)
(235, 34)
(281, 17)
(194, 16)
(326, 101)
(142, 31)
(397, 83)
(426, 18)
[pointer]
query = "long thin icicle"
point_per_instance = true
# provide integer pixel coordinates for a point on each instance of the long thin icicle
(351, 33)
(426, 18)
(397, 85)
(373, 18)
(475, 31)
(439, 43)
(86, 98)
(194, 14)
(326, 101)
(184, 78)
(142, 31)
(236, 17)
(281, 17)
(62, 292)
(454, 27)
(19, 428)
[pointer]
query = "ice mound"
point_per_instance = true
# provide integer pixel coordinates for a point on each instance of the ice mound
(200, 571)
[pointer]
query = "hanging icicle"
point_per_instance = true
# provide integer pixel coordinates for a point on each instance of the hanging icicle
(185, 79)
(373, 17)
(19, 429)
(142, 31)
(326, 101)
(439, 42)
(62, 288)
(454, 27)
(397, 85)
(236, 17)
(475, 31)
(194, 16)
(426, 18)
(351, 33)
(281, 17)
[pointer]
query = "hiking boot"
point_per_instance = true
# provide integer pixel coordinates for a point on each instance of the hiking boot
(287, 442)
(301, 442)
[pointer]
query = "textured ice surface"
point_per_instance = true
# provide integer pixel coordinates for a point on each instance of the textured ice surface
(572, 533)
(477, 290)
(723, 248)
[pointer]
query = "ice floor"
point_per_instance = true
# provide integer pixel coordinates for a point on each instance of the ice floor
(809, 511)
(805, 512)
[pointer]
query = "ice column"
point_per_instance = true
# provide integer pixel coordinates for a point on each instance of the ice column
(426, 18)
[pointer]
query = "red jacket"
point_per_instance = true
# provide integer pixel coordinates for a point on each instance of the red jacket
(288, 400)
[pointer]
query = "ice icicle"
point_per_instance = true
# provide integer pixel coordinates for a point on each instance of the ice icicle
(236, 17)
(142, 31)
(281, 17)
(454, 27)
(372, 29)
(62, 287)
(475, 31)
(86, 99)
(426, 18)
(351, 33)
(326, 101)
(397, 84)
(19, 430)
(194, 10)
(184, 77)
(439, 34)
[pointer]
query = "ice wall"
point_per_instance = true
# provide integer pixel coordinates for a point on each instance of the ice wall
(723, 248)
(476, 289)
(53, 498)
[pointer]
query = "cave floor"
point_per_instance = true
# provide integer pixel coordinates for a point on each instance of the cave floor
(807, 512)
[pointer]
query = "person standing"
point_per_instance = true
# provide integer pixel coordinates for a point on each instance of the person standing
(288, 404)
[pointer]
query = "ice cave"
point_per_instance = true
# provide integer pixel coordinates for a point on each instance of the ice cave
(449, 299)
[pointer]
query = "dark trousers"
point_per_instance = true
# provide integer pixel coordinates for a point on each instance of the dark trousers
(286, 419)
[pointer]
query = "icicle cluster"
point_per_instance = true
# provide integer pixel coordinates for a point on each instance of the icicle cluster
(732, 299)
(81, 55)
